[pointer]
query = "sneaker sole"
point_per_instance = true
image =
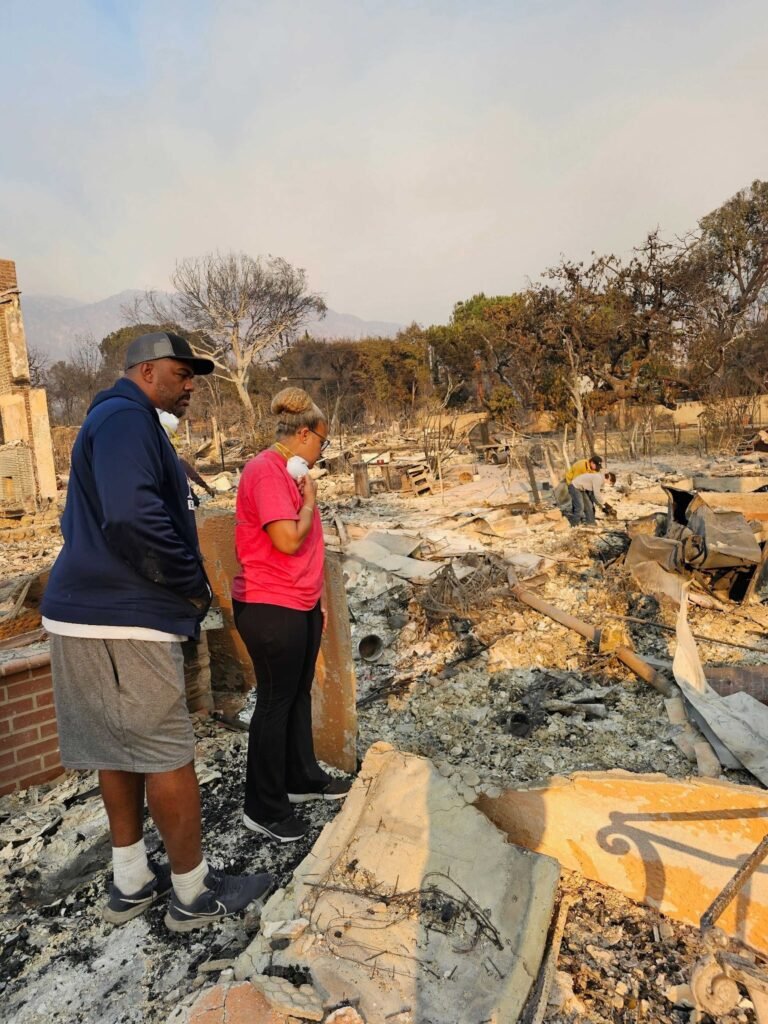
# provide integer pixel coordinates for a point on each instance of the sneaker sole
(304, 798)
(254, 826)
(121, 916)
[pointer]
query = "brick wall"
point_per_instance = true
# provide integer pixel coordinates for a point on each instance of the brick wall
(7, 275)
(29, 742)
(29, 737)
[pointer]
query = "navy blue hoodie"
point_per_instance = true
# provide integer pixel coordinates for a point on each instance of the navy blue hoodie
(130, 555)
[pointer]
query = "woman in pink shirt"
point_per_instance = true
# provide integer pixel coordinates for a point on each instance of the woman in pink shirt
(279, 609)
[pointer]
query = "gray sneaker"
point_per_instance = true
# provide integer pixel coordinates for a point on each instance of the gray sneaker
(223, 895)
(120, 908)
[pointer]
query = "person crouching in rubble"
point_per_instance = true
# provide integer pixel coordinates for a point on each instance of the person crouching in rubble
(279, 608)
(591, 465)
(588, 488)
(127, 587)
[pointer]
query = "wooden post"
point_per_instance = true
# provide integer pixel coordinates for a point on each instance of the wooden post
(362, 483)
(439, 456)
(532, 479)
(553, 478)
(217, 445)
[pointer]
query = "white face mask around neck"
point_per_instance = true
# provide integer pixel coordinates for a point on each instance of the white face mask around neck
(169, 421)
(297, 467)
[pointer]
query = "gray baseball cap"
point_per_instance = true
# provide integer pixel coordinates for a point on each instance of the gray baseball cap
(165, 345)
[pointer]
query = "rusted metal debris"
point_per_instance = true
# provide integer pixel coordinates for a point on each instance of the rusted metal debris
(729, 891)
(447, 595)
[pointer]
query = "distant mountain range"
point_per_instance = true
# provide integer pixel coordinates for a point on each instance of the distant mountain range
(53, 323)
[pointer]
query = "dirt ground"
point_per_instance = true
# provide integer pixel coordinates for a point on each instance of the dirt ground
(473, 689)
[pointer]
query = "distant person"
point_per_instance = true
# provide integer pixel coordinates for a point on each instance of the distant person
(591, 465)
(279, 606)
(127, 588)
(589, 491)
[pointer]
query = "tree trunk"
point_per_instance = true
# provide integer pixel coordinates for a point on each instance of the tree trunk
(247, 404)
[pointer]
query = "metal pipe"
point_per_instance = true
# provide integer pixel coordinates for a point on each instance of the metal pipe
(633, 661)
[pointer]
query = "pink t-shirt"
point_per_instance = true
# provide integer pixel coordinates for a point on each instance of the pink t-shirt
(266, 494)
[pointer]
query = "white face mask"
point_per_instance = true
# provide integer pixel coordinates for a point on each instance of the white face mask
(169, 421)
(297, 467)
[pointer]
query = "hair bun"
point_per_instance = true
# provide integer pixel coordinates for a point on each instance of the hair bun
(291, 400)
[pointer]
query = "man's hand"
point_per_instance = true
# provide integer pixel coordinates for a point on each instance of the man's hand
(609, 511)
(202, 601)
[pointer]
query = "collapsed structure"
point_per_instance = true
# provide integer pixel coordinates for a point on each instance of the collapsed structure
(27, 472)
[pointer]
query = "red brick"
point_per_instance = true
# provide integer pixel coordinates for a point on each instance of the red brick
(44, 699)
(12, 681)
(38, 777)
(49, 729)
(16, 707)
(52, 759)
(238, 1004)
(36, 717)
(20, 739)
(18, 687)
(6, 758)
(5, 726)
(44, 672)
(36, 749)
(19, 771)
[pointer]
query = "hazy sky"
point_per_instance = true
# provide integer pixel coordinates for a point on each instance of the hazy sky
(406, 154)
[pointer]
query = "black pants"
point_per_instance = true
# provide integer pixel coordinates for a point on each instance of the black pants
(283, 644)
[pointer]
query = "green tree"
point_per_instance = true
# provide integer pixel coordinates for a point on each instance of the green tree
(726, 265)
(113, 346)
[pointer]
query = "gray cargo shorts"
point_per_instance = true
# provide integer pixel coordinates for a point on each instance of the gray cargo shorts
(121, 705)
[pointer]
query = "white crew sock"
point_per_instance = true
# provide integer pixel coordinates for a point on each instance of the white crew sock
(131, 867)
(189, 885)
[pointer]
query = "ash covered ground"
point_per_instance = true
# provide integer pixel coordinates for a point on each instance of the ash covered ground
(482, 692)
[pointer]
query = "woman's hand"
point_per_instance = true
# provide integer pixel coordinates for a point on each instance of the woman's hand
(288, 535)
(324, 611)
(308, 490)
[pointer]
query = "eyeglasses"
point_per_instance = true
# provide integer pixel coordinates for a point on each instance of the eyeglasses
(324, 441)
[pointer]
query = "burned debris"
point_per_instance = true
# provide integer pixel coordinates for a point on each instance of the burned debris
(532, 702)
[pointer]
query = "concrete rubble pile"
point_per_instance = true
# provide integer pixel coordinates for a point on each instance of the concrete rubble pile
(407, 899)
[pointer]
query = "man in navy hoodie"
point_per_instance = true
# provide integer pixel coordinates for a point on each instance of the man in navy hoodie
(127, 588)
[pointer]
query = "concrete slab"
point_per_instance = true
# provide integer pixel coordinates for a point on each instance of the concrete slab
(751, 506)
(394, 541)
(669, 844)
(417, 902)
(732, 484)
(399, 565)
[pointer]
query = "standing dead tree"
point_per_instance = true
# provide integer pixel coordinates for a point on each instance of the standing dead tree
(236, 308)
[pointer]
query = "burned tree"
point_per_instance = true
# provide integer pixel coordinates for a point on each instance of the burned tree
(237, 307)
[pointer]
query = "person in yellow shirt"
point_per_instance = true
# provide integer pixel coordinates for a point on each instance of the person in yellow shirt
(591, 465)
